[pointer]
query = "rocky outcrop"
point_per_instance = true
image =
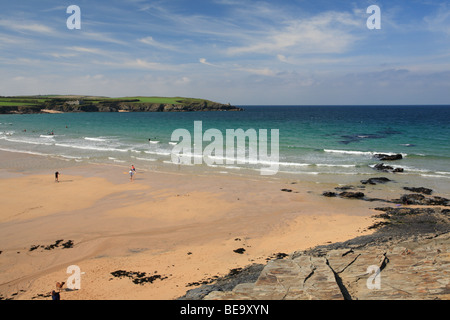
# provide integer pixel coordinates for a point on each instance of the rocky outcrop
(345, 194)
(157, 107)
(19, 109)
(420, 199)
(121, 106)
(388, 157)
(376, 180)
(384, 168)
(419, 190)
(410, 269)
(408, 257)
(351, 195)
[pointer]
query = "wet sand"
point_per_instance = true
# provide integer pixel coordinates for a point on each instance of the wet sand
(157, 236)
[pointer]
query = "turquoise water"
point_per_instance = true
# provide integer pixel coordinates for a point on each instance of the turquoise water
(316, 141)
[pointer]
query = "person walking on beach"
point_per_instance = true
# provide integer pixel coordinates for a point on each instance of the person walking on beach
(131, 174)
(56, 176)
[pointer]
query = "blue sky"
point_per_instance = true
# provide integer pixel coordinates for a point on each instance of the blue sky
(241, 52)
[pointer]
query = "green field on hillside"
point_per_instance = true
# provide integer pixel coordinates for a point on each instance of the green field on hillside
(15, 104)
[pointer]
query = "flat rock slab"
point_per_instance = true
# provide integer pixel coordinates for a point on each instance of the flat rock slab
(414, 269)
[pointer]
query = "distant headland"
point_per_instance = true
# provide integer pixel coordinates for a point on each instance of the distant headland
(78, 103)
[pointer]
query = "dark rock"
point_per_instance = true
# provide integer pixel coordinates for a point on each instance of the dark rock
(382, 167)
(228, 282)
(388, 157)
(378, 224)
(385, 168)
(352, 195)
(419, 199)
(375, 180)
(412, 199)
(276, 256)
(391, 212)
(405, 221)
(66, 245)
(181, 107)
(286, 190)
(137, 277)
(281, 255)
(420, 190)
(34, 247)
(329, 194)
(240, 250)
(343, 188)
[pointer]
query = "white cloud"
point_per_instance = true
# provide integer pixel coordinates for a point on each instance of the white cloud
(282, 58)
(325, 33)
(152, 42)
(26, 26)
(440, 20)
(203, 61)
(86, 50)
(102, 37)
(63, 55)
(139, 64)
(257, 71)
(183, 81)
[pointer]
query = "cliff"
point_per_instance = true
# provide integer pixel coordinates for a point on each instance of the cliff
(58, 104)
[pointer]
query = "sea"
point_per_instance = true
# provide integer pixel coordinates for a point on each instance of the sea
(315, 143)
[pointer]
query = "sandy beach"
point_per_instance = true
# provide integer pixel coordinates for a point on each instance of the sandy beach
(179, 229)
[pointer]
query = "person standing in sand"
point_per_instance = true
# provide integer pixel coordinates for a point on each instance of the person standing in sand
(55, 295)
(57, 176)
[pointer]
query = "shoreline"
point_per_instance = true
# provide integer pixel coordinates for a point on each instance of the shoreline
(180, 229)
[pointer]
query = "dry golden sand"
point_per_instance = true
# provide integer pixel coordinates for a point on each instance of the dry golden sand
(182, 227)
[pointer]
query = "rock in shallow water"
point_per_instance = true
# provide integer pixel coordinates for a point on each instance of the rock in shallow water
(375, 180)
(388, 157)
